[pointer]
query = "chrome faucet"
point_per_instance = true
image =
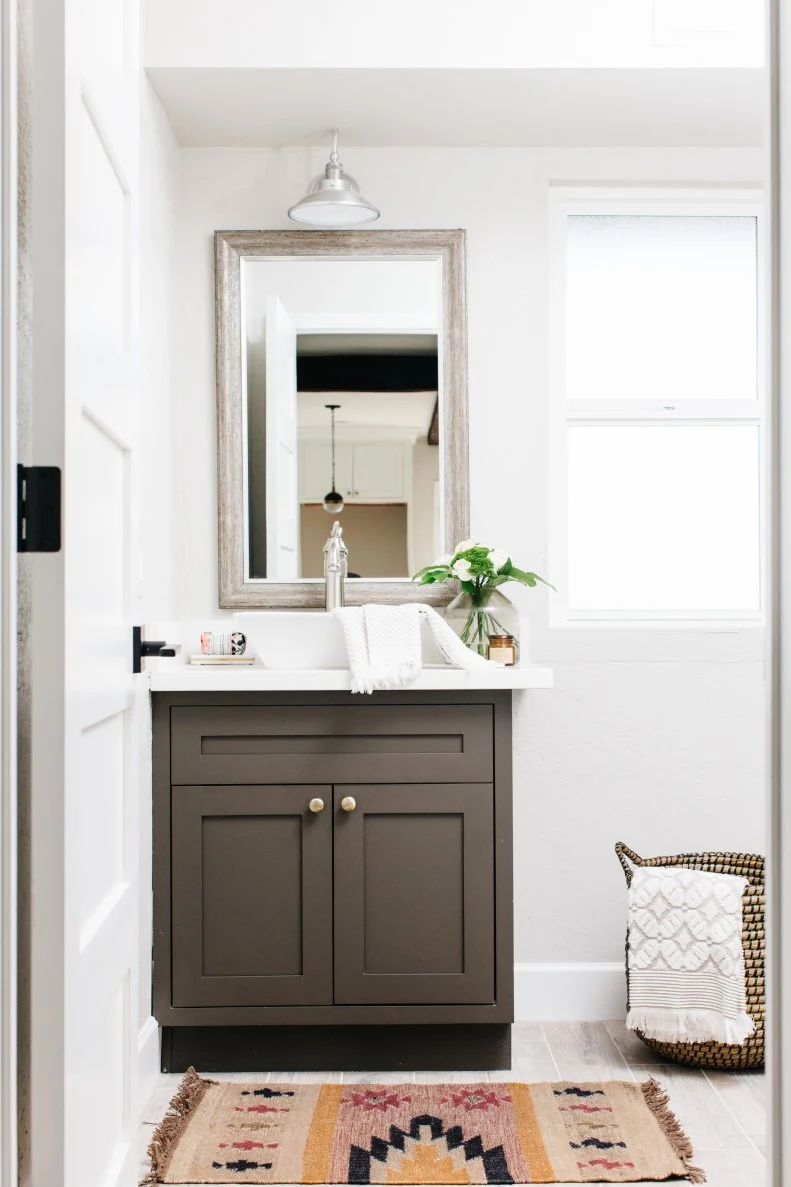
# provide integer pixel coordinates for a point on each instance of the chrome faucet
(336, 568)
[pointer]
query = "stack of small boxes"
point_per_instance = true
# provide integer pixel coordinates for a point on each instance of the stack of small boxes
(222, 649)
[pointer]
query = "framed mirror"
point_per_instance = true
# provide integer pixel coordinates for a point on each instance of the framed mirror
(341, 394)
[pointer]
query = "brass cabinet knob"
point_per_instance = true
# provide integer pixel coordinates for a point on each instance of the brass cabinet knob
(316, 805)
(348, 803)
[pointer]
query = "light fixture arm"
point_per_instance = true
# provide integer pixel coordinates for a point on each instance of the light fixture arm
(333, 501)
(333, 408)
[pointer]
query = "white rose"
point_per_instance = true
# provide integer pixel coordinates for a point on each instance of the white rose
(465, 544)
(462, 570)
(498, 558)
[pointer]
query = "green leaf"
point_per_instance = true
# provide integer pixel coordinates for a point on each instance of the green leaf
(483, 576)
(431, 574)
(531, 579)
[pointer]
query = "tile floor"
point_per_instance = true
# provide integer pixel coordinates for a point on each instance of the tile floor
(724, 1113)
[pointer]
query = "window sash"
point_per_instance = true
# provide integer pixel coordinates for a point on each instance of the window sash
(565, 201)
(697, 411)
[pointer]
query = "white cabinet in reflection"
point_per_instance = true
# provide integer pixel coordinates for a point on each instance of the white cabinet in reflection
(315, 470)
(365, 471)
(378, 471)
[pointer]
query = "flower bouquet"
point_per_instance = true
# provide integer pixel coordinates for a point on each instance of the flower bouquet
(480, 571)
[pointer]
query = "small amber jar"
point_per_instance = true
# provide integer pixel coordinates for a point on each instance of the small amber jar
(502, 649)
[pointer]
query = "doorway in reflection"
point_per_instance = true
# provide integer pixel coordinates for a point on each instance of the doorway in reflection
(384, 390)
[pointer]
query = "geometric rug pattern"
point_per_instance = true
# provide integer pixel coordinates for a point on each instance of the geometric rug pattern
(608, 1132)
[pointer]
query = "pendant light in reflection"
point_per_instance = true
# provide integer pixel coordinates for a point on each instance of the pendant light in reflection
(333, 502)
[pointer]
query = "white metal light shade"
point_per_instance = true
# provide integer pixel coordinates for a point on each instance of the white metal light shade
(334, 199)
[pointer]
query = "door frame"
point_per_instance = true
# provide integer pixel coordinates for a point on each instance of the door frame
(8, 595)
(779, 647)
(780, 882)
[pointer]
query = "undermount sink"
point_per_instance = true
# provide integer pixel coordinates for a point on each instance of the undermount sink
(290, 640)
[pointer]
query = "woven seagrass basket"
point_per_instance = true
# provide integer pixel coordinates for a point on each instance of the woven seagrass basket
(733, 1056)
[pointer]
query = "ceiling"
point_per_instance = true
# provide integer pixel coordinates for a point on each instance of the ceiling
(409, 412)
(662, 107)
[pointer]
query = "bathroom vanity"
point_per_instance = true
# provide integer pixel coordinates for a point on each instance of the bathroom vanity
(333, 875)
(333, 872)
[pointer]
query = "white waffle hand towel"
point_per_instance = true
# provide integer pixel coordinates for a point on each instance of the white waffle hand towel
(383, 644)
(685, 956)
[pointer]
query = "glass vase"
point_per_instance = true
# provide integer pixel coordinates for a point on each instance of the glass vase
(475, 619)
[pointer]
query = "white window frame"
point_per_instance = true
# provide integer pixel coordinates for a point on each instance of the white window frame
(577, 200)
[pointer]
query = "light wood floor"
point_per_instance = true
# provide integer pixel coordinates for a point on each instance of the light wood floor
(724, 1113)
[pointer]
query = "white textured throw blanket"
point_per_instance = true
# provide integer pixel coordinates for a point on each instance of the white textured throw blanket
(383, 644)
(686, 962)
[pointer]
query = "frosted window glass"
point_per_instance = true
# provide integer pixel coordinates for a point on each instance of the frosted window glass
(664, 518)
(661, 307)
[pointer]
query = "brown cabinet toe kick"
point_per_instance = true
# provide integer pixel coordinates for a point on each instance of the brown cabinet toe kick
(333, 880)
(337, 1048)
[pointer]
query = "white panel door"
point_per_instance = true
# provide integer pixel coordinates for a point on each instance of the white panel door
(282, 526)
(88, 711)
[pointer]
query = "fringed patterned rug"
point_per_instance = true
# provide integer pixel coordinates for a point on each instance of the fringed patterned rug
(609, 1132)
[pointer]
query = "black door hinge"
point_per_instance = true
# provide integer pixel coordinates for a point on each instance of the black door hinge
(38, 509)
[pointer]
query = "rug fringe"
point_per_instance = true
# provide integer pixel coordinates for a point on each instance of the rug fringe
(190, 1093)
(659, 1103)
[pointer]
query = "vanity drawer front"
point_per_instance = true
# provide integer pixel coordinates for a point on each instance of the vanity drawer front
(332, 743)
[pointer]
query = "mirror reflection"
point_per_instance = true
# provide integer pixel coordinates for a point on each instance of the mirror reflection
(342, 414)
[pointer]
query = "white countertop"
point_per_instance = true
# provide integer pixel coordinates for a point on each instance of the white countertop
(174, 676)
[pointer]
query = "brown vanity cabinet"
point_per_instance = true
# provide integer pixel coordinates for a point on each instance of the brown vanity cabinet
(331, 878)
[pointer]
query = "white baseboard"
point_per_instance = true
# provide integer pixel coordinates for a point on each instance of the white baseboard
(147, 1060)
(573, 992)
(578, 992)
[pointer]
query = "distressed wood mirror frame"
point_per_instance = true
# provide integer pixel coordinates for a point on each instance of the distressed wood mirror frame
(237, 589)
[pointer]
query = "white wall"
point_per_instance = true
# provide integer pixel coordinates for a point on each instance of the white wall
(158, 495)
(655, 739)
(392, 295)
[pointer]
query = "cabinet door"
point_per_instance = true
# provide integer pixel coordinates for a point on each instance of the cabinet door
(378, 471)
(251, 893)
(315, 470)
(414, 894)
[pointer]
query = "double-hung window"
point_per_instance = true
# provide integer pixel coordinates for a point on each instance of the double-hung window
(658, 402)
